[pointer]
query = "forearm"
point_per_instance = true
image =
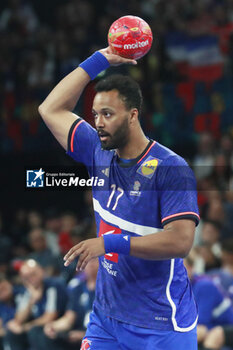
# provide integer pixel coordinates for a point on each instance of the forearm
(64, 323)
(66, 94)
(175, 241)
(42, 320)
(24, 315)
(158, 246)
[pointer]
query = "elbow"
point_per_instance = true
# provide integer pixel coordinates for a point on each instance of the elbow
(184, 253)
(184, 249)
(43, 111)
(46, 112)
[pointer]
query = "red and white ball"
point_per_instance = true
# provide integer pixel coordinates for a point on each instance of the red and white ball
(130, 37)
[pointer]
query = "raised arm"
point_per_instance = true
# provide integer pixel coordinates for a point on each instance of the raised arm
(57, 108)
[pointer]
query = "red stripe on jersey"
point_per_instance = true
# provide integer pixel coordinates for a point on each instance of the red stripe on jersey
(72, 137)
(179, 214)
(146, 152)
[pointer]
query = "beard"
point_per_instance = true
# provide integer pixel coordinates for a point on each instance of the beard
(119, 139)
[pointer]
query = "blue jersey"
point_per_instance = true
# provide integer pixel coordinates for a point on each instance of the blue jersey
(8, 310)
(215, 308)
(53, 299)
(80, 300)
(223, 278)
(137, 199)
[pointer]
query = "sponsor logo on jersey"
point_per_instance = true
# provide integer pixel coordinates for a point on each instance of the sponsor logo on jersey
(106, 172)
(106, 229)
(148, 167)
(86, 344)
(136, 188)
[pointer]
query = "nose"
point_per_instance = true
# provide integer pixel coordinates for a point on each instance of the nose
(99, 121)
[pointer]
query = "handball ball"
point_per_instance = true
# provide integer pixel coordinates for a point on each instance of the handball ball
(130, 37)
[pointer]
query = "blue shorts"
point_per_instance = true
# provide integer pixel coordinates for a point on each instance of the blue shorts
(106, 333)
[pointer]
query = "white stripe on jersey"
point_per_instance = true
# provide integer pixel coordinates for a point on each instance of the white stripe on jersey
(51, 302)
(173, 305)
(123, 224)
(222, 307)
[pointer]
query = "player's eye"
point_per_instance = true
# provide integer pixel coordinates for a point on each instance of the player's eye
(94, 114)
(107, 114)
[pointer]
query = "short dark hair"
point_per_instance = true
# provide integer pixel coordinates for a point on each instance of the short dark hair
(129, 90)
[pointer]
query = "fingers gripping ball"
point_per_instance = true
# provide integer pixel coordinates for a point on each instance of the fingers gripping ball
(130, 37)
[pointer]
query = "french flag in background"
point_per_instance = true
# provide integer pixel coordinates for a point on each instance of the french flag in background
(199, 58)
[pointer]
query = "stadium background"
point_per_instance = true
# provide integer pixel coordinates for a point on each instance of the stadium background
(187, 83)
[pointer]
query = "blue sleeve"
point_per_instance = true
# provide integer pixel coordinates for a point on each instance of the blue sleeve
(82, 140)
(207, 298)
(177, 191)
(56, 296)
(71, 304)
(73, 298)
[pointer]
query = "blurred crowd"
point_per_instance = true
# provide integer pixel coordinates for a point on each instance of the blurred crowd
(43, 41)
(39, 297)
(185, 108)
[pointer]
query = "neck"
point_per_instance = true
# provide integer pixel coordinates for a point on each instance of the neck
(134, 147)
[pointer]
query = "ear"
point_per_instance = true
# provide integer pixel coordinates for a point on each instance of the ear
(133, 116)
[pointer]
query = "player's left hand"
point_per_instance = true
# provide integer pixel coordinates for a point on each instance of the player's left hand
(86, 250)
(114, 59)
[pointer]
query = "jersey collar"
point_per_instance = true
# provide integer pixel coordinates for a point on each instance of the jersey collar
(138, 159)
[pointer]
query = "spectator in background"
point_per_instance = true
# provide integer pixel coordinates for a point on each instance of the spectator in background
(224, 275)
(67, 332)
(214, 306)
(43, 301)
(9, 299)
(68, 223)
(221, 173)
(41, 253)
(226, 146)
(52, 229)
(5, 248)
(77, 234)
(35, 219)
(214, 209)
(19, 14)
(209, 248)
(204, 160)
(219, 209)
(19, 226)
(218, 337)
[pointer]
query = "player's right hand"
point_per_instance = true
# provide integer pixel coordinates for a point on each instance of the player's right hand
(85, 250)
(115, 60)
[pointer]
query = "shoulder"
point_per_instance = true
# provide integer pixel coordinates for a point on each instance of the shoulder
(167, 156)
(74, 283)
(18, 290)
(54, 282)
(205, 284)
(172, 169)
